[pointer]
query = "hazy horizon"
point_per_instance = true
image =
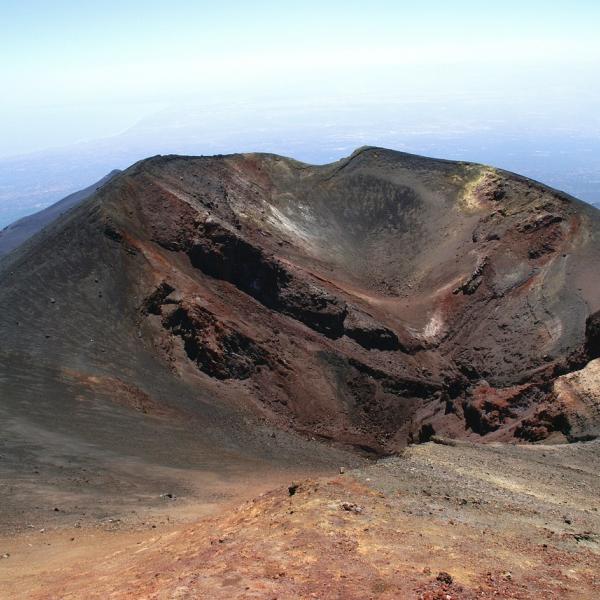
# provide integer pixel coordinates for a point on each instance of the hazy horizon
(92, 88)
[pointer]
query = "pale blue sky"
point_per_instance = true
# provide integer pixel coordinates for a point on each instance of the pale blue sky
(77, 70)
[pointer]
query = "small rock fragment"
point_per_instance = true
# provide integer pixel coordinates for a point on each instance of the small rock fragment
(444, 577)
(352, 507)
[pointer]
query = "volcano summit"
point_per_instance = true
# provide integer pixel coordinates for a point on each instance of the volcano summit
(372, 302)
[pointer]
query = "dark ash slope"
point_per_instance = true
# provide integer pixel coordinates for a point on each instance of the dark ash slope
(18, 232)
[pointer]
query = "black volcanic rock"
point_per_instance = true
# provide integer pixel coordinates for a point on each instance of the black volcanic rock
(593, 335)
(368, 333)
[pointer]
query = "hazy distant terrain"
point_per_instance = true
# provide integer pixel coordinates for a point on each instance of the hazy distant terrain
(565, 156)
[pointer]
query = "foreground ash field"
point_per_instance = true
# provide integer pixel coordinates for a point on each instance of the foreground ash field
(204, 332)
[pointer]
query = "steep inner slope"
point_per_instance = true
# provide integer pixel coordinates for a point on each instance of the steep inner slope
(373, 302)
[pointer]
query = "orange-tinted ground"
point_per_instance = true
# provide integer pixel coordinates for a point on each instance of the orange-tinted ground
(441, 521)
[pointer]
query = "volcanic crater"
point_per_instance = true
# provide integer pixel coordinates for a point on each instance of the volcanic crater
(372, 302)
